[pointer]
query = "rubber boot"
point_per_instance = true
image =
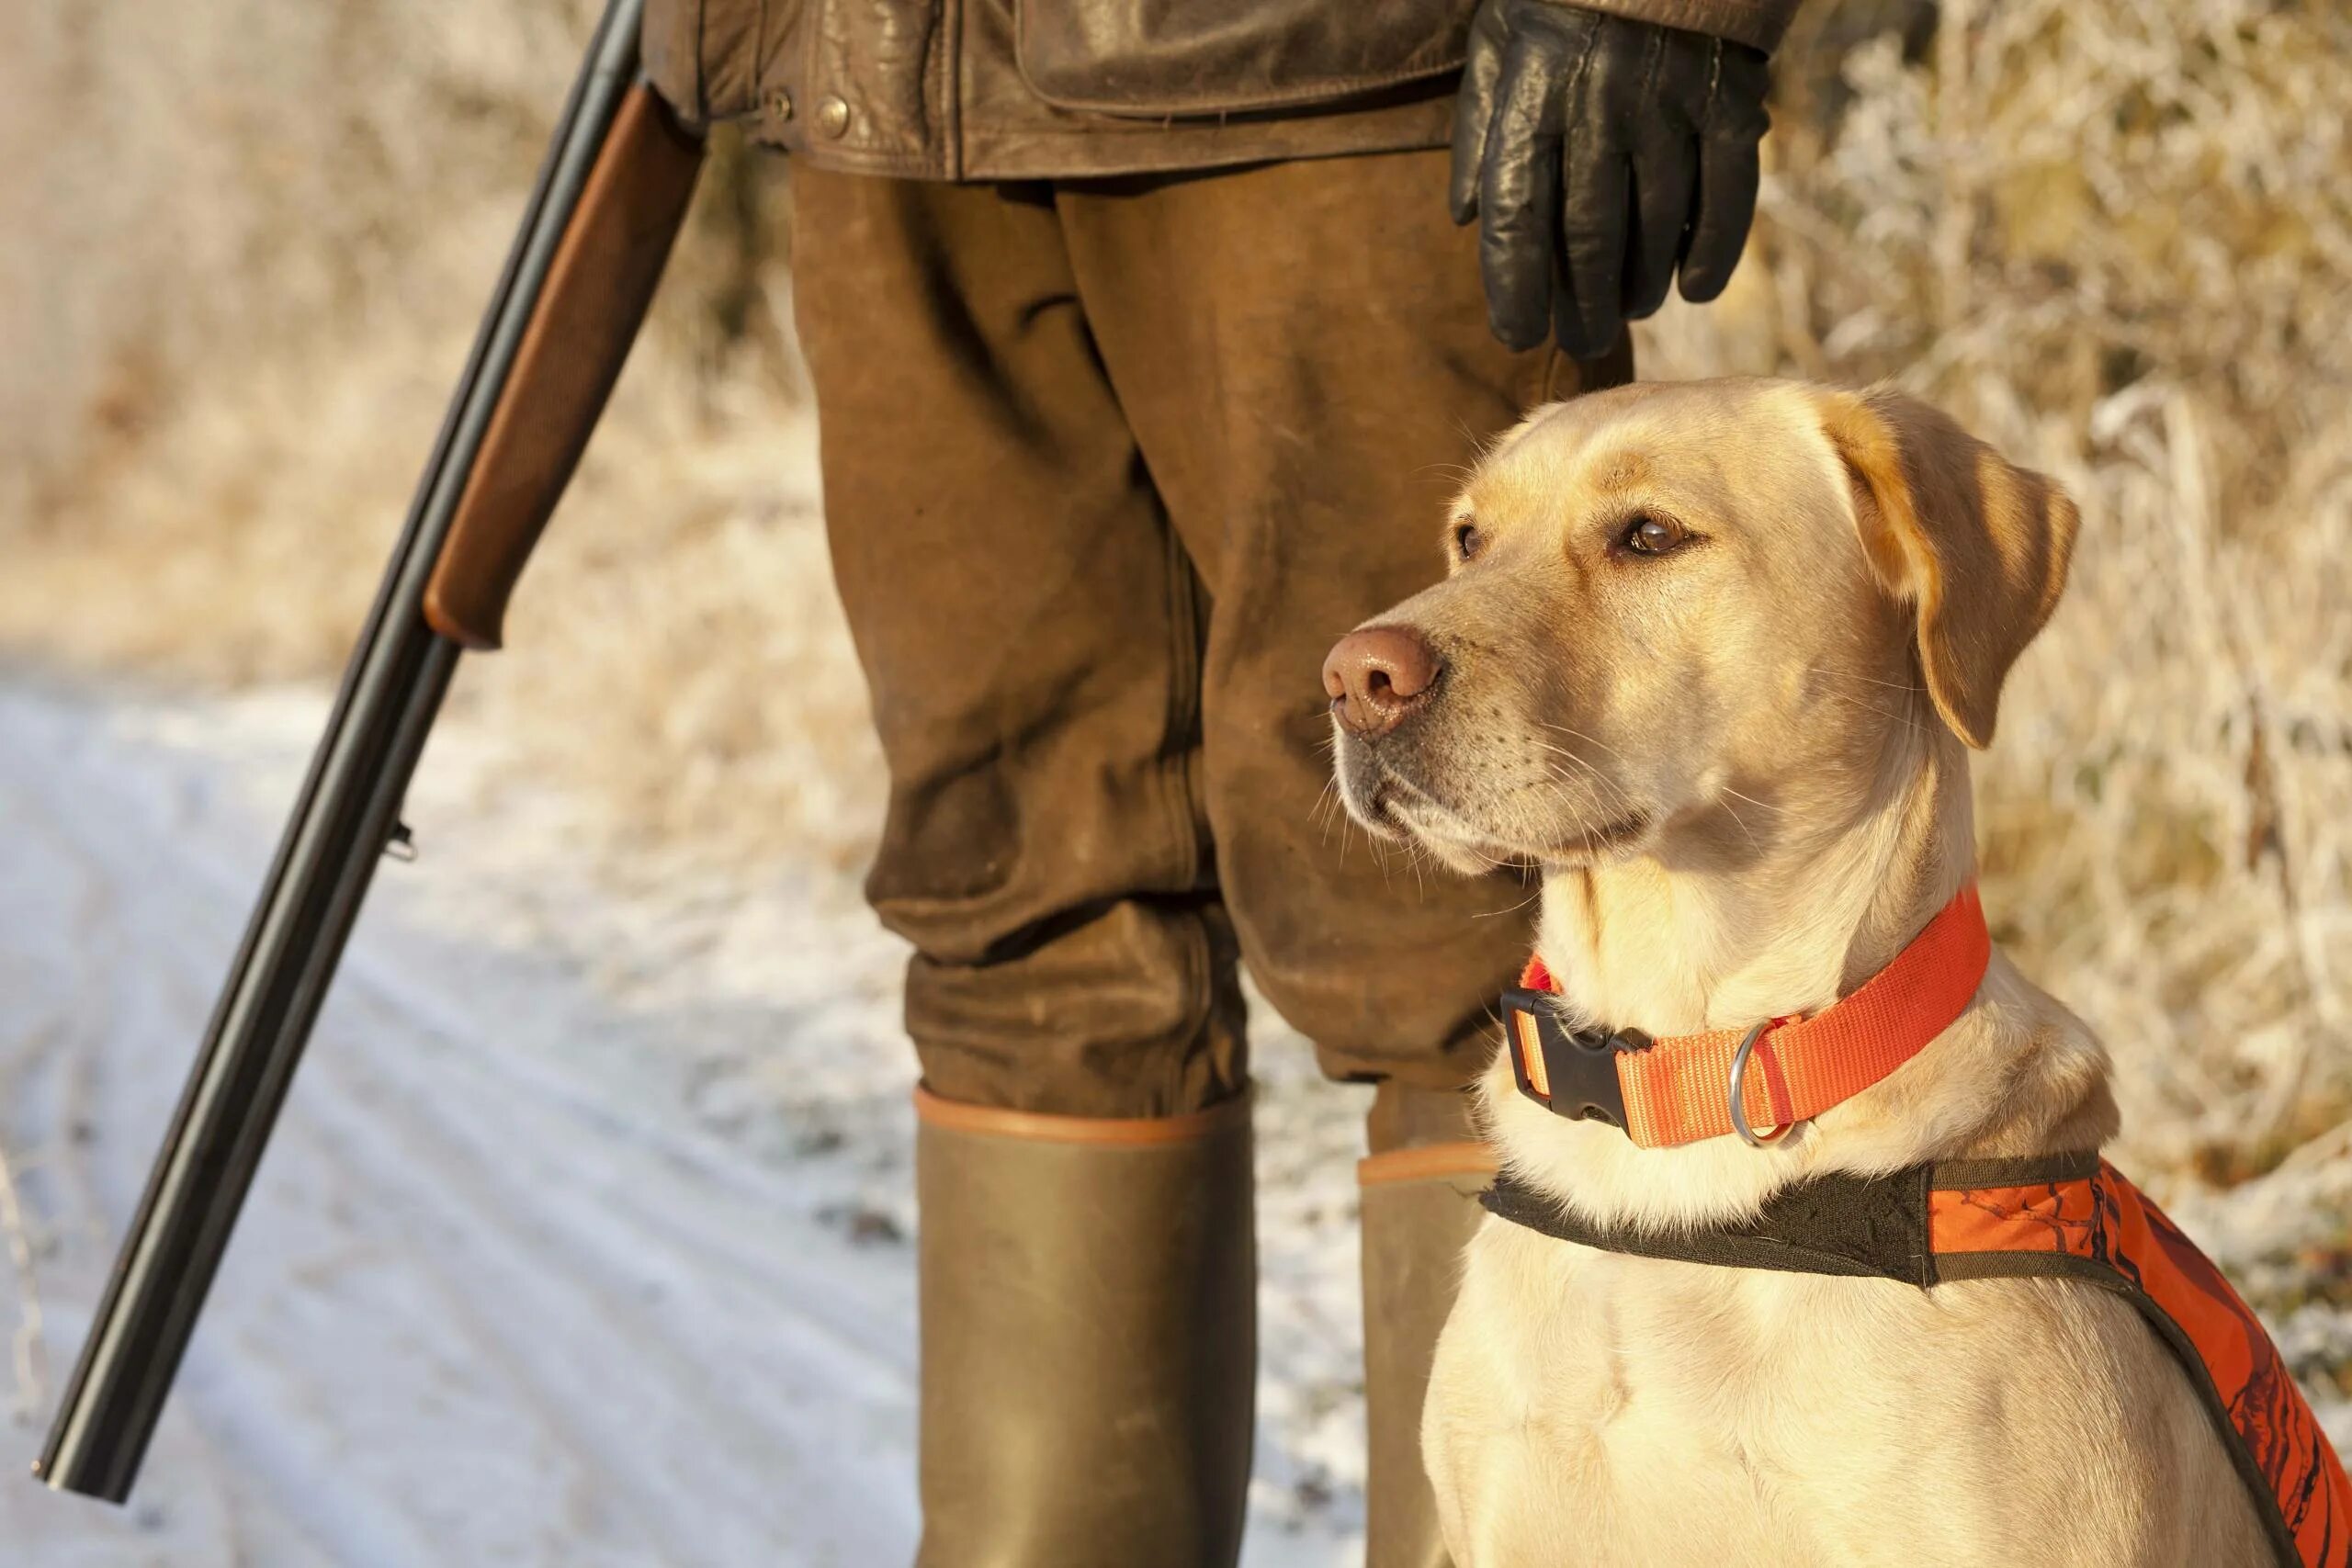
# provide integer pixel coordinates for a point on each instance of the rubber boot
(1420, 1188)
(1088, 1304)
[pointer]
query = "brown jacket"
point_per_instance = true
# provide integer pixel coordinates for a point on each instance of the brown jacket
(1021, 89)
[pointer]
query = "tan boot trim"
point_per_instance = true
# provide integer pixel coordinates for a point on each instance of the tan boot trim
(1427, 1163)
(1038, 1126)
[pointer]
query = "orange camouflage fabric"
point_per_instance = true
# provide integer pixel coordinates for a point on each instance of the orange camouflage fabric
(2102, 1226)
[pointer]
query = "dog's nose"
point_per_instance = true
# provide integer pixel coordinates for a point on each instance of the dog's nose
(1377, 675)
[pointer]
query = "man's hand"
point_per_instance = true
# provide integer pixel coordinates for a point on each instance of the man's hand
(1602, 153)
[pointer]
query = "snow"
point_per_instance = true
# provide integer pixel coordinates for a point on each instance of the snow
(583, 1237)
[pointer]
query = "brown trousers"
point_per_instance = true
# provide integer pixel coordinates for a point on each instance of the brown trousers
(1108, 465)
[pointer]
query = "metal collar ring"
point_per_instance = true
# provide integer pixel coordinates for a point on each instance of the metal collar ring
(1738, 1091)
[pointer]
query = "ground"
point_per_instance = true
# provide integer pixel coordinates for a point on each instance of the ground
(585, 1237)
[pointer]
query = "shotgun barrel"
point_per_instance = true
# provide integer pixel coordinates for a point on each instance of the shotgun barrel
(610, 196)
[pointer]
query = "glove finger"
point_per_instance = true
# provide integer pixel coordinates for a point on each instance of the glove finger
(1664, 178)
(1474, 111)
(1595, 203)
(1726, 205)
(1518, 203)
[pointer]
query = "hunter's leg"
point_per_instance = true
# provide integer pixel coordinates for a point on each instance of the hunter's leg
(1029, 628)
(1302, 351)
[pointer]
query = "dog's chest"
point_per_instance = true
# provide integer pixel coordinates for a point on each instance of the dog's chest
(1676, 1408)
(1757, 1359)
(1742, 1363)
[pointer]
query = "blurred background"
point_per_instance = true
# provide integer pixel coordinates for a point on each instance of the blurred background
(242, 249)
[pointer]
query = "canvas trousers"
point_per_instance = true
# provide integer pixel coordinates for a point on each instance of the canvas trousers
(1108, 465)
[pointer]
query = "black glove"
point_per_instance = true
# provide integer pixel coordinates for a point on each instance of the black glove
(1601, 153)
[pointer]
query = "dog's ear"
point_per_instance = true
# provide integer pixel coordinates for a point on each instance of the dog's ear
(1975, 544)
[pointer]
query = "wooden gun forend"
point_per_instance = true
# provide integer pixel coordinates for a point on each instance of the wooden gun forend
(599, 283)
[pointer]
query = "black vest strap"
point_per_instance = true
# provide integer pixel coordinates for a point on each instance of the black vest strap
(1837, 1224)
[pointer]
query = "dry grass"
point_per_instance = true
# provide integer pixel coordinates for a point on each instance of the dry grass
(2112, 235)
(2116, 240)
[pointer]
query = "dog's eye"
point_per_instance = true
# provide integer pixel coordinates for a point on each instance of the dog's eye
(1647, 536)
(1467, 540)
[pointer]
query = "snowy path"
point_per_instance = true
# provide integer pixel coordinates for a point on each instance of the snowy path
(564, 1253)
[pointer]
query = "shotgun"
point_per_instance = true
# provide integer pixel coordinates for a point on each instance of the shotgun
(607, 204)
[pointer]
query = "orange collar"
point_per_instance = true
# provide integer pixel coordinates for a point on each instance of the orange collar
(1749, 1081)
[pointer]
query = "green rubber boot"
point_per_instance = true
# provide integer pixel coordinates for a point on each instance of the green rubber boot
(1420, 1188)
(1089, 1302)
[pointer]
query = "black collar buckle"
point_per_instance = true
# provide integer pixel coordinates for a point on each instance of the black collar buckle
(1572, 1072)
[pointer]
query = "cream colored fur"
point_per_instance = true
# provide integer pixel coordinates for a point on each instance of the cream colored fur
(1744, 799)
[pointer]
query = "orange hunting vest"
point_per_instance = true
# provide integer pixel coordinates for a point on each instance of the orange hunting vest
(2071, 1215)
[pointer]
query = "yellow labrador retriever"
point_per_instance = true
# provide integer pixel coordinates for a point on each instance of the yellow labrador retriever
(1711, 655)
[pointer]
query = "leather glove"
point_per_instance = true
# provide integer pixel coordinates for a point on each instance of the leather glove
(1600, 153)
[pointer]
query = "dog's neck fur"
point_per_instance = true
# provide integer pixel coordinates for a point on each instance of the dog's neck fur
(1680, 942)
(1766, 921)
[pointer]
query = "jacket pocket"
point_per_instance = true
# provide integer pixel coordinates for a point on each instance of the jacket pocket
(1163, 59)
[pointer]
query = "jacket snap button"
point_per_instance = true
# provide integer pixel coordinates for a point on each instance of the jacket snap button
(780, 104)
(832, 116)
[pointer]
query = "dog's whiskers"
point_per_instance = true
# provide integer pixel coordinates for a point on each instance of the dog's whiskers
(1734, 812)
(1595, 775)
(1760, 805)
(1575, 734)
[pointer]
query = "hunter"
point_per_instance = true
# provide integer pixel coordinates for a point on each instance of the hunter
(1148, 340)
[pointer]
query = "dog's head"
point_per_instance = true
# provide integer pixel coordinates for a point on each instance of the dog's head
(1668, 602)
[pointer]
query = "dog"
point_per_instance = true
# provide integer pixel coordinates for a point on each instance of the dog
(1710, 658)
